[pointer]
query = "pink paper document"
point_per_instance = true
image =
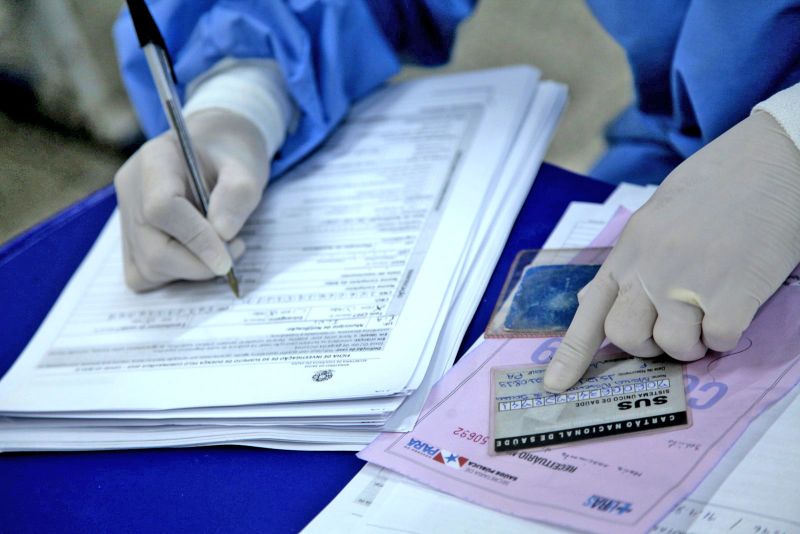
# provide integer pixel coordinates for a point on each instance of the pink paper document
(624, 485)
(610, 233)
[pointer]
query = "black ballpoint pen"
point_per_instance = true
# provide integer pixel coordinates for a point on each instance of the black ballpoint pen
(160, 64)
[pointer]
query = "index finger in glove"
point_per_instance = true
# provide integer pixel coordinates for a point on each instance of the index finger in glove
(165, 207)
(181, 220)
(584, 336)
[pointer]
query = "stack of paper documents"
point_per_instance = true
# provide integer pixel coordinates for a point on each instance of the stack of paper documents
(364, 267)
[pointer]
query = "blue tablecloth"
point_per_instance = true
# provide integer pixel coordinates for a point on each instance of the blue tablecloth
(209, 489)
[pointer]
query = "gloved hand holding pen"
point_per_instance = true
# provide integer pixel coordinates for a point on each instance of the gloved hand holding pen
(165, 237)
(695, 263)
(236, 116)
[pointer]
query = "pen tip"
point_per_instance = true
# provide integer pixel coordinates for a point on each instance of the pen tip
(233, 282)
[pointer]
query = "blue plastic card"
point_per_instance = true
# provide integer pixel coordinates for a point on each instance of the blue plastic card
(540, 296)
(547, 297)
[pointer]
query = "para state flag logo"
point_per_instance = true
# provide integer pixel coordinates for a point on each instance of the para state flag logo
(450, 459)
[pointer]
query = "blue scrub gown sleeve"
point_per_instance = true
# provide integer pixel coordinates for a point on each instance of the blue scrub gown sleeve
(331, 52)
(421, 31)
(698, 68)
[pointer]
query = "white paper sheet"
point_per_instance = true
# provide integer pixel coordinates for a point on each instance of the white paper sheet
(516, 181)
(582, 221)
(630, 196)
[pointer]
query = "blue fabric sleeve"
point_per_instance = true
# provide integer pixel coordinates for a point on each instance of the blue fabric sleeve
(730, 57)
(331, 52)
(648, 34)
(421, 31)
(698, 68)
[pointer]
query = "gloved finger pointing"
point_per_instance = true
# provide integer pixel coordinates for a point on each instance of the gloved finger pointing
(678, 330)
(629, 324)
(584, 336)
(233, 199)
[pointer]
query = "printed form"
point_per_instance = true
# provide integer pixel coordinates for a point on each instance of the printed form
(348, 263)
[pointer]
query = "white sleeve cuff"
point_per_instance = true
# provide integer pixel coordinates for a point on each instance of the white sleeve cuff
(784, 106)
(252, 88)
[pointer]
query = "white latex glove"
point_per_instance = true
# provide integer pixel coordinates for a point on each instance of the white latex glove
(694, 264)
(165, 237)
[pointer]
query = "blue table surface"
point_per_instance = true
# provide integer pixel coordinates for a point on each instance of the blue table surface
(207, 489)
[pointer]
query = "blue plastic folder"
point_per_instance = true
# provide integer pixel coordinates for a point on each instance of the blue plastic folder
(224, 489)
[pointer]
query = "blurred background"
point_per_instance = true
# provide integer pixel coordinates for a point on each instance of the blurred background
(66, 125)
